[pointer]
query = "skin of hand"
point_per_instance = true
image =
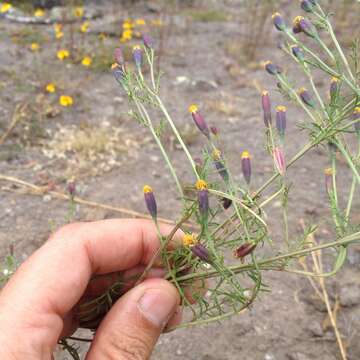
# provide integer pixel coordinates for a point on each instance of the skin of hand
(37, 304)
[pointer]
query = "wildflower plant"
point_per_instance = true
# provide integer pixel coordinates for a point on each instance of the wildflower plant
(221, 261)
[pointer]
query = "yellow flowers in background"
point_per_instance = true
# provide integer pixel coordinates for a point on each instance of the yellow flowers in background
(79, 11)
(63, 54)
(84, 28)
(34, 46)
(5, 7)
(86, 61)
(39, 13)
(140, 22)
(66, 100)
(50, 88)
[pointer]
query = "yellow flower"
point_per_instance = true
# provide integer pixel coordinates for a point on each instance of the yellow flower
(65, 100)
(34, 46)
(127, 26)
(50, 88)
(157, 22)
(57, 27)
(5, 7)
(79, 11)
(39, 13)
(126, 35)
(62, 54)
(328, 171)
(201, 185)
(86, 61)
(59, 34)
(140, 22)
(280, 108)
(189, 240)
(147, 189)
(245, 155)
(193, 108)
(84, 28)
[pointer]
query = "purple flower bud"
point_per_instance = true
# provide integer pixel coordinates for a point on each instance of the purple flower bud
(118, 73)
(328, 172)
(266, 105)
(298, 53)
(199, 120)
(243, 250)
(281, 120)
(271, 68)
(279, 160)
(306, 97)
(148, 41)
(356, 116)
(71, 188)
(137, 55)
(334, 88)
(279, 21)
(119, 57)
(226, 203)
(300, 24)
(201, 252)
(203, 198)
(150, 201)
(219, 164)
(307, 5)
(246, 166)
(214, 130)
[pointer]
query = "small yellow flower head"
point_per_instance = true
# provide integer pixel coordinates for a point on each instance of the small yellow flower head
(59, 34)
(127, 25)
(357, 110)
(50, 88)
(86, 61)
(245, 155)
(297, 20)
(193, 109)
(281, 108)
(328, 171)
(79, 11)
(63, 54)
(265, 93)
(140, 22)
(216, 154)
(189, 240)
(114, 66)
(39, 13)
(5, 7)
(34, 46)
(84, 28)
(335, 79)
(147, 189)
(157, 22)
(66, 100)
(58, 27)
(201, 185)
(126, 35)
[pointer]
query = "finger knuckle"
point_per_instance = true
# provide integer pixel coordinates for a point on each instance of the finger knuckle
(126, 347)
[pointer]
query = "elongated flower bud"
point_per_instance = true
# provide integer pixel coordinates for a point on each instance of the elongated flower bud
(271, 68)
(214, 130)
(226, 203)
(71, 188)
(243, 250)
(328, 172)
(279, 160)
(266, 105)
(119, 57)
(137, 55)
(279, 21)
(203, 198)
(307, 27)
(246, 166)
(189, 240)
(201, 252)
(356, 116)
(298, 53)
(199, 120)
(219, 164)
(306, 97)
(334, 88)
(296, 24)
(148, 41)
(118, 73)
(150, 201)
(281, 120)
(307, 5)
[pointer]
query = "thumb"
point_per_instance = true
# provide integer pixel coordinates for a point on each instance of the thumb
(134, 323)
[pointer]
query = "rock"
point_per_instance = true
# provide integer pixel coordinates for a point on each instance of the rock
(315, 329)
(350, 294)
(269, 356)
(204, 85)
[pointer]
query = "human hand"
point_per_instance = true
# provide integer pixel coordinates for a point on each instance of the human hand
(37, 306)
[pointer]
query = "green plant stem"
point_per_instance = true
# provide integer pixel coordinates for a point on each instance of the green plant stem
(349, 160)
(294, 254)
(333, 166)
(142, 110)
(168, 118)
